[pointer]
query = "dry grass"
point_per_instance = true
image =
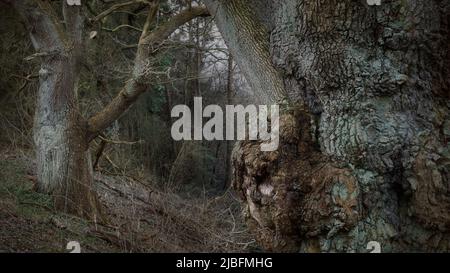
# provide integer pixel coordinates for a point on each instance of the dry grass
(157, 221)
(142, 218)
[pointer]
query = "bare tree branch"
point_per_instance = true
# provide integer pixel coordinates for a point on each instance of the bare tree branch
(114, 8)
(154, 7)
(135, 86)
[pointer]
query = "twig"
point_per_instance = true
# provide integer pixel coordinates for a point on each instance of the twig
(122, 26)
(99, 153)
(120, 141)
(115, 7)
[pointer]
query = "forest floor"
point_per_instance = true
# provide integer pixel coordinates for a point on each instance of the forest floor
(141, 218)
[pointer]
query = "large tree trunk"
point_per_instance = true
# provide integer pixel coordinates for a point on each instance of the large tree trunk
(367, 156)
(64, 166)
(63, 160)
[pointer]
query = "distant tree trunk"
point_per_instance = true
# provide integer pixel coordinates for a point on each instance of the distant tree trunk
(228, 146)
(366, 155)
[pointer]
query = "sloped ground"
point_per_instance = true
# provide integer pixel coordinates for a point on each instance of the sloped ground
(141, 219)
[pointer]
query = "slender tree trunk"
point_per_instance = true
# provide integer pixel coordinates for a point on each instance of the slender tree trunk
(228, 146)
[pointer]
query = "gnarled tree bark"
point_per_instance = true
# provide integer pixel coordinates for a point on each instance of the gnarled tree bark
(366, 158)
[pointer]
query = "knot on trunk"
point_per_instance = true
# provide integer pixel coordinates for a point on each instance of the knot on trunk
(294, 193)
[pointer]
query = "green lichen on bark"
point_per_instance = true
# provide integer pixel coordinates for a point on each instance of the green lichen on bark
(376, 81)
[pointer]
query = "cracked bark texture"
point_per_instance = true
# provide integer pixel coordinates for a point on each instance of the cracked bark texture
(366, 158)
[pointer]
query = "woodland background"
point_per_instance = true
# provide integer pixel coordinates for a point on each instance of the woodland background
(86, 152)
(194, 209)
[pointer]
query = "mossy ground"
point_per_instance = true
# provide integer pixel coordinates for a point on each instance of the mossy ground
(28, 222)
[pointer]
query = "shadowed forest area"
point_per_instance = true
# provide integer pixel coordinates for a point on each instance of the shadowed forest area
(87, 153)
